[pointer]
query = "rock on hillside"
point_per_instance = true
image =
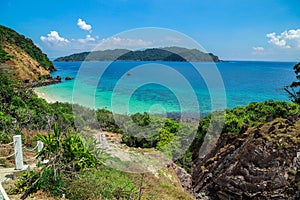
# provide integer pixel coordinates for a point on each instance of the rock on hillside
(260, 163)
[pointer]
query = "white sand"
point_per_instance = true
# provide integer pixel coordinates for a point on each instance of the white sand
(44, 96)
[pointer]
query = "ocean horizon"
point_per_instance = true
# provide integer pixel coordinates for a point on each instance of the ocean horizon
(169, 87)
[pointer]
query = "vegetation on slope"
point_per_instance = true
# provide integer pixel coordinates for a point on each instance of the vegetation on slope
(4, 56)
(69, 161)
(260, 163)
(23, 66)
(106, 55)
(237, 121)
(294, 94)
(155, 54)
(10, 36)
(72, 168)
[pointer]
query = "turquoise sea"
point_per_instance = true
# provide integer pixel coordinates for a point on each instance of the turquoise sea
(170, 87)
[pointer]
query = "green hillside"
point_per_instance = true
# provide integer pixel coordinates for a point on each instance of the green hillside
(10, 36)
(178, 54)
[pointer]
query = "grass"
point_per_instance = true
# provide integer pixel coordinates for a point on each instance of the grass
(162, 185)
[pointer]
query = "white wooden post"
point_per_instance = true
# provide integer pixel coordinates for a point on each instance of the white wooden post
(40, 146)
(18, 152)
(103, 141)
(3, 195)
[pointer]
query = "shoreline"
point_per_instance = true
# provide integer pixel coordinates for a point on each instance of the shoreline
(170, 115)
(44, 96)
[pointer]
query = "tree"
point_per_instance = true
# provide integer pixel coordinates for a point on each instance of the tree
(292, 89)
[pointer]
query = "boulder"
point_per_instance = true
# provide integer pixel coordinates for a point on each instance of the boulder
(68, 78)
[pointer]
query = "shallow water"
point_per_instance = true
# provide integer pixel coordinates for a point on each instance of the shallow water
(170, 87)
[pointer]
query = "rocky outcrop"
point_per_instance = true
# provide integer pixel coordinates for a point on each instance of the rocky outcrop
(260, 163)
(68, 78)
(184, 178)
(48, 81)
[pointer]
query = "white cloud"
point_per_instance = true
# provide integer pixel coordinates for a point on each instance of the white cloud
(291, 34)
(89, 43)
(83, 25)
(277, 40)
(258, 48)
(287, 39)
(88, 38)
(54, 38)
(128, 43)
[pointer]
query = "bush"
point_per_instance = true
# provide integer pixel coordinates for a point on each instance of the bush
(67, 155)
(3, 55)
(106, 121)
(101, 183)
(170, 137)
(141, 119)
(4, 138)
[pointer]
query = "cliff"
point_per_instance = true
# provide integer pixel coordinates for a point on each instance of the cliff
(258, 164)
(257, 161)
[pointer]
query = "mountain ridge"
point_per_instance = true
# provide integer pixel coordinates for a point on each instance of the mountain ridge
(178, 54)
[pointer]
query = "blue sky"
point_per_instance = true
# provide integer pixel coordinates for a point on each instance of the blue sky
(231, 29)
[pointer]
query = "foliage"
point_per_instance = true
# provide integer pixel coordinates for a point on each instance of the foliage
(12, 37)
(68, 149)
(106, 55)
(141, 119)
(21, 109)
(154, 54)
(138, 134)
(167, 133)
(237, 120)
(164, 134)
(101, 183)
(74, 169)
(291, 89)
(3, 55)
(66, 154)
(106, 121)
(4, 138)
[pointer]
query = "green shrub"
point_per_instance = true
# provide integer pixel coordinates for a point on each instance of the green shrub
(106, 121)
(3, 55)
(101, 183)
(4, 138)
(67, 155)
(141, 119)
(170, 137)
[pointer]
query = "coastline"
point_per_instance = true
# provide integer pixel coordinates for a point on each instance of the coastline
(44, 96)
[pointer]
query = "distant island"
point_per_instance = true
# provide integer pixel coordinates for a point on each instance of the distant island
(176, 54)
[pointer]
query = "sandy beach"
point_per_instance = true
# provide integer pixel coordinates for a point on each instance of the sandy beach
(44, 96)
